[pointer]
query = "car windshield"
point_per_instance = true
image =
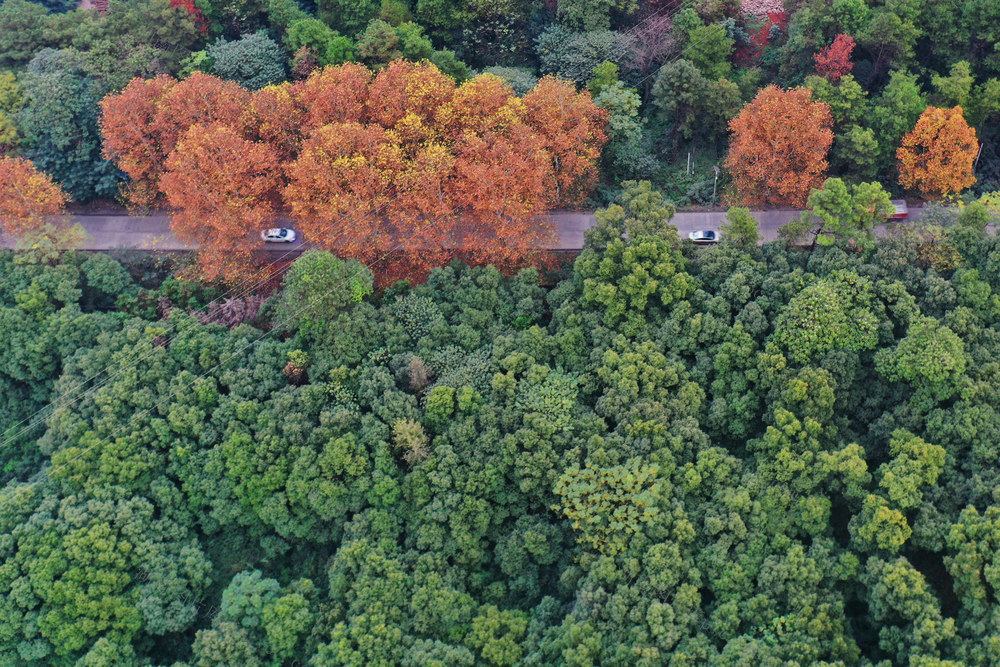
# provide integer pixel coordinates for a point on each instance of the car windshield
(708, 235)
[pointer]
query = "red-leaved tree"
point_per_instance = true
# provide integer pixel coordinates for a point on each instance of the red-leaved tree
(834, 61)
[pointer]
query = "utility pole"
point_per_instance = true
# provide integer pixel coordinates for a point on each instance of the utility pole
(715, 184)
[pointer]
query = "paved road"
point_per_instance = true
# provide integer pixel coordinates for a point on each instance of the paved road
(152, 232)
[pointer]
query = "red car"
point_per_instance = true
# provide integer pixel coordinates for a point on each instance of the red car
(900, 211)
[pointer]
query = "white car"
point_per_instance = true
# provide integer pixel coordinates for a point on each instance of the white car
(278, 235)
(704, 236)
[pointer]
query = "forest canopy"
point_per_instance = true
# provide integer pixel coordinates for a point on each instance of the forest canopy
(653, 454)
(667, 455)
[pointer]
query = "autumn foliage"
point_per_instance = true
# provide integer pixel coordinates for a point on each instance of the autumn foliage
(938, 155)
(127, 122)
(224, 190)
(402, 162)
(27, 197)
(779, 145)
(834, 61)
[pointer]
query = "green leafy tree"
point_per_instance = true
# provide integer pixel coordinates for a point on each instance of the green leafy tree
(848, 100)
(640, 212)
(984, 104)
(574, 55)
(520, 79)
(281, 14)
(497, 635)
(692, 103)
(587, 15)
(890, 36)
(22, 32)
(856, 153)
(895, 112)
(955, 89)
(330, 47)
(972, 561)
(909, 616)
(831, 313)
(740, 228)
(844, 210)
(253, 61)
(59, 124)
(709, 48)
(930, 356)
(879, 527)
(10, 102)
(348, 17)
(605, 75)
(631, 277)
(318, 287)
(379, 44)
(915, 464)
(624, 126)
(140, 38)
(607, 505)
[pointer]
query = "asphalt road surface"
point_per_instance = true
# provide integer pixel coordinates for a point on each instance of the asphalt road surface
(152, 232)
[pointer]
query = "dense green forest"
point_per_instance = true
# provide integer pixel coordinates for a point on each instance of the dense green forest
(740, 454)
(671, 73)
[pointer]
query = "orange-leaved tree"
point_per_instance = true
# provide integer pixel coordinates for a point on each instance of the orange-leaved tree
(403, 160)
(130, 136)
(28, 197)
(275, 117)
(341, 185)
(198, 99)
(502, 184)
(437, 170)
(404, 89)
(779, 144)
(141, 125)
(224, 189)
(572, 130)
(334, 95)
(938, 155)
